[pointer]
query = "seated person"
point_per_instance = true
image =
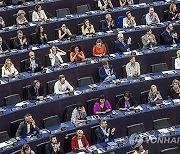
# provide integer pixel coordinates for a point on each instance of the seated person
(102, 106)
(152, 17)
(87, 28)
(76, 54)
(4, 48)
(36, 91)
(173, 13)
(169, 36)
(174, 92)
(2, 3)
(79, 141)
(26, 127)
(8, 70)
(41, 35)
(121, 45)
(105, 4)
(64, 32)
(26, 149)
(99, 49)
(38, 14)
(55, 55)
(21, 19)
(33, 64)
(106, 72)
(62, 86)
(53, 147)
(2, 23)
(133, 67)
(18, 2)
(177, 60)
(108, 24)
(148, 40)
(154, 96)
(126, 102)
(103, 132)
(20, 41)
(140, 150)
(123, 3)
(79, 114)
(129, 21)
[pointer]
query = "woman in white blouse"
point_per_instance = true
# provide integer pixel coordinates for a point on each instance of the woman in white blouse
(177, 60)
(38, 14)
(8, 70)
(55, 55)
(129, 21)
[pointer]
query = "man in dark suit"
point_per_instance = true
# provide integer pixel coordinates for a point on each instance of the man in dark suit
(103, 132)
(36, 91)
(108, 24)
(169, 36)
(33, 64)
(26, 127)
(20, 40)
(53, 147)
(122, 45)
(4, 48)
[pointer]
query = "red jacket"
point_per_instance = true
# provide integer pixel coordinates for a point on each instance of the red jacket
(74, 143)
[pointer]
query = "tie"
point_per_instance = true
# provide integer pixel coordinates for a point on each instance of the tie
(123, 43)
(37, 92)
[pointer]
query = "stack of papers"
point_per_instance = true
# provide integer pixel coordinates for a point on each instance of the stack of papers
(176, 101)
(21, 104)
(138, 108)
(169, 72)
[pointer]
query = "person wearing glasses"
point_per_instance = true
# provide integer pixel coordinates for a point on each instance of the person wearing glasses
(64, 32)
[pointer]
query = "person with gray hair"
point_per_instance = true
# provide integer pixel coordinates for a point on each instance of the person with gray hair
(108, 23)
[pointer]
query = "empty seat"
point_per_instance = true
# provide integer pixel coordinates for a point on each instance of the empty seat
(12, 42)
(93, 134)
(83, 9)
(162, 123)
(50, 121)
(144, 97)
(159, 67)
(67, 142)
(174, 150)
(12, 99)
(26, 92)
(40, 148)
(47, 61)
(14, 126)
(30, 16)
(136, 128)
(85, 81)
(120, 21)
(173, 63)
(146, 1)
(4, 136)
(62, 12)
(33, 38)
(22, 65)
(124, 74)
(50, 86)
(143, 20)
(165, 14)
(118, 97)
(79, 31)
(68, 112)
(90, 105)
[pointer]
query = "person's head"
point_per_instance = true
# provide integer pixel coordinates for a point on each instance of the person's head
(139, 149)
(79, 107)
(120, 37)
(26, 149)
(38, 8)
(173, 7)
(76, 48)
(36, 84)
(63, 27)
(176, 84)
(53, 49)
(79, 134)
(148, 31)
(8, 63)
(1, 40)
(62, 79)
(20, 13)
(103, 123)
(39, 29)
(153, 89)
(28, 118)
(127, 95)
(105, 63)
(132, 59)
(128, 14)
(151, 9)
(178, 54)
(86, 22)
(19, 33)
(32, 55)
(53, 139)
(169, 26)
(99, 42)
(108, 17)
(102, 99)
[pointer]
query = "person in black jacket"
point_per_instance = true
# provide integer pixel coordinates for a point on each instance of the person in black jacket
(41, 35)
(169, 36)
(103, 132)
(4, 48)
(33, 64)
(20, 40)
(53, 147)
(36, 91)
(174, 92)
(126, 102)
(108, 24)
(26, 127)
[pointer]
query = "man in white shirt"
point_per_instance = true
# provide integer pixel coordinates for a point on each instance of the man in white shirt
(140, 150)
(133, 67)
(62, 86)
(152, 17)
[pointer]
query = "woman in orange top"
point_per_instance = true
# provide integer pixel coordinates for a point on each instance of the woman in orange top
(99, 49)
(76, 54)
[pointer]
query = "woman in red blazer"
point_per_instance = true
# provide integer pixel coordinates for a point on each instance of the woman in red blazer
(79, 142)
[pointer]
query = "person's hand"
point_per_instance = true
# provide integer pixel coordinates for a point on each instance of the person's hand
(83, 148)
(18, 138)
(146, 152)
(113, 130)
(57, 146)
(33, 122)
(37, 65)
(66, 92)
(108, 110)
(131, 108)
(129, 41)
(40, 98)
(109, 130)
